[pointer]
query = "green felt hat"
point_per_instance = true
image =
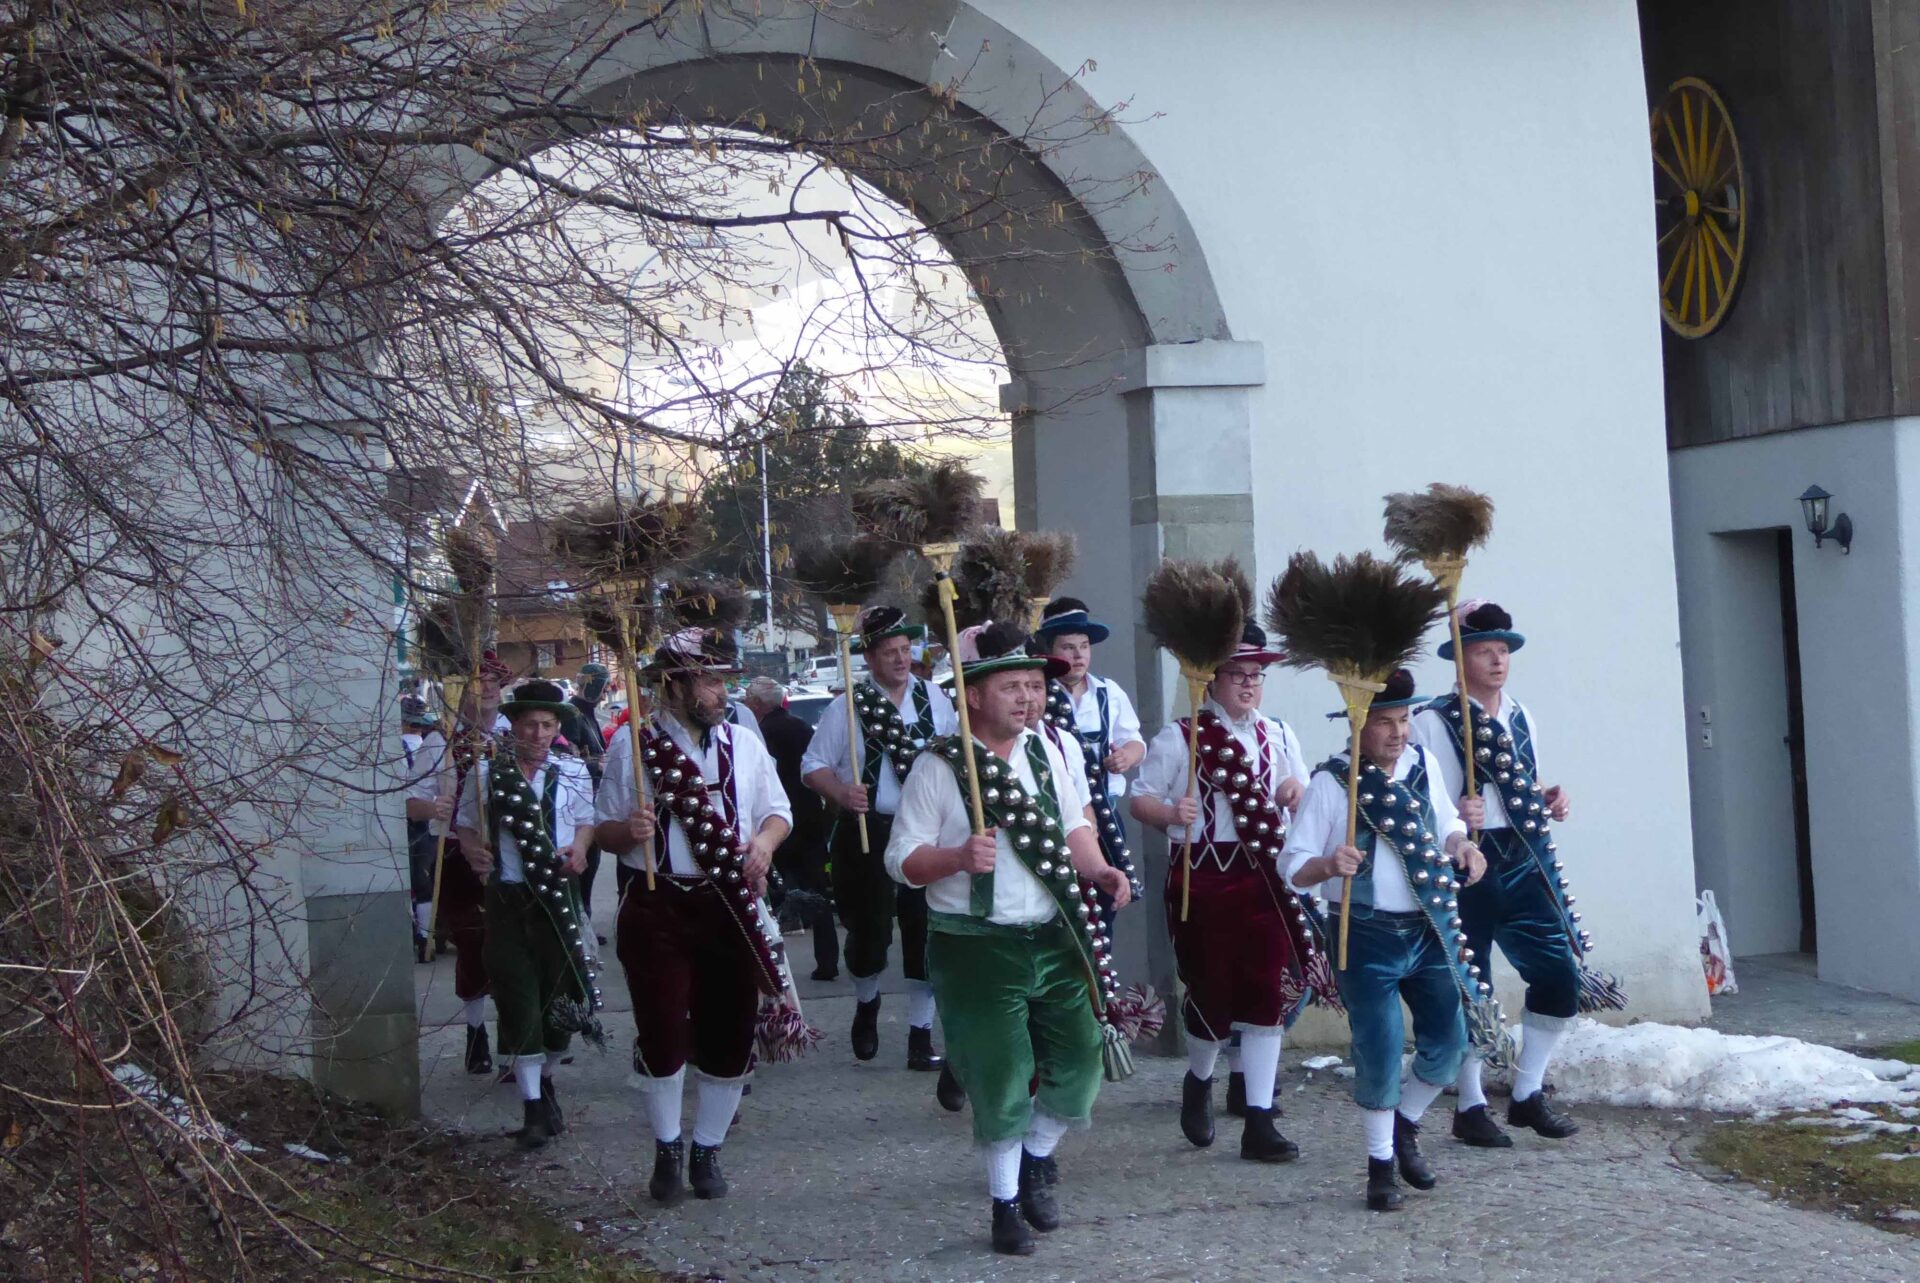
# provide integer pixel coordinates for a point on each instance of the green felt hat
(537, 697)
(877, 623)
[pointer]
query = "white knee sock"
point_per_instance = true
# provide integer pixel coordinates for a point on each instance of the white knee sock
(1379, 1133)
(526, 1072)
(1003, 1169)
(421, 912)
(1202, 1055)
(919, 1004)
(474, 1012)
(1530, 1067)
(1234, 1056)
(1260, 1061)
(866, 988)
(1471, 1092)
(714, 1105)
(1415, 1096)
(663, 1106)
(1043, 1134)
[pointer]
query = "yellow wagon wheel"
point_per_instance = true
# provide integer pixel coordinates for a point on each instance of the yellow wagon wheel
(1700, 188)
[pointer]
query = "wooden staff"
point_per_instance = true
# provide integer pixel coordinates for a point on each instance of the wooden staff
(846, 618)
(941, 556)
(630, 674)
(1357, 692)
(1446, 572)
(1197, 680)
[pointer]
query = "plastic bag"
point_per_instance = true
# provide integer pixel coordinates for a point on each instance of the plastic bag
(1716, 956)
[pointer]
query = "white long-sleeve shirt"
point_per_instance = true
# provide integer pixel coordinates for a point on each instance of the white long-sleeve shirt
(757, 793)
(1321, 826)
(1163, 773)
(1430, 731)
(1123, 723)
(572, 807)
(934, 812)
(829, 748)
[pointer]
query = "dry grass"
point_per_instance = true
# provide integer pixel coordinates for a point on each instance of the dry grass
(1802, 1165)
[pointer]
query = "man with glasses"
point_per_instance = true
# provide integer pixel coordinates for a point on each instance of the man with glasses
(1240, 960)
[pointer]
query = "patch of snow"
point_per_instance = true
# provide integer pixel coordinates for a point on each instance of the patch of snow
(1320, 1062)
(1343, 1071)
(146, 1087)
(311, 1155)
(1669, 1067)
(1900, 1158)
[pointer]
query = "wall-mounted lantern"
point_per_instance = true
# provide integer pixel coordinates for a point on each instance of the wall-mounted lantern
(1814, 504)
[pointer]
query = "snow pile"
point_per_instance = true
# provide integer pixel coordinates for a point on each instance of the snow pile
(1668, 1067)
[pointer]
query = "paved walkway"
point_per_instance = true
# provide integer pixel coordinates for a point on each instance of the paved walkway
(848, 1171)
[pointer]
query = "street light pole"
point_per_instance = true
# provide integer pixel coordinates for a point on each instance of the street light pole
(766, 540)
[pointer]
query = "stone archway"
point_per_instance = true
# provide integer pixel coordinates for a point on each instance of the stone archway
(1128, 392)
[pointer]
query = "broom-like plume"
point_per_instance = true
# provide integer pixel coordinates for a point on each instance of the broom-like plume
(1361, 616)
(991, 576)
(705, 603)
(933, 505)
(1229, 569)
(449, 634)
(1195, 612)
(1443, 524)
(470, 558)
(622, 539)
(1049, 557)
(844, 572)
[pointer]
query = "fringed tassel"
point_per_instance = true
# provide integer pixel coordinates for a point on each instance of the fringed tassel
(1116, 1057)
(1139, 1013)
(799, 908)
(570, 1015)
(1488, 1035)
(1601, 991)
(782, 1033)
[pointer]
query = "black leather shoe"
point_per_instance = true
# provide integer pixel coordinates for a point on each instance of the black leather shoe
(703, 1171)
(1414, 1169)
(479, 1053)
(1196, 1109)
(1037, 1179)
(668, 1158)
(824, 974)
(866, 1030)
(533, 1131)
(1383, 1192)
(1476, 1127)
(1261, 1141)
(422, 950)
(1237, 1095)
(920, 1053)
(1536, 1113)
(556, 1121)
(1011, 1237)
(948, 1091)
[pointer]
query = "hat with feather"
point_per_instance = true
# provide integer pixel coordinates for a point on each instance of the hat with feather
(539, 696)
(1483, 621)
(877, 623)
(696, 650)
(995, 647)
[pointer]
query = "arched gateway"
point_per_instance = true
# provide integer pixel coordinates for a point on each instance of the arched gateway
(1112, 328)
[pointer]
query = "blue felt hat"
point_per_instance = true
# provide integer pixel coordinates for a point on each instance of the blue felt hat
(1069, 615)
(1398, 694)
(1483, 621)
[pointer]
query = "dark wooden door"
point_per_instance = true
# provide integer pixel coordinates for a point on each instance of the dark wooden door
(1796, 742)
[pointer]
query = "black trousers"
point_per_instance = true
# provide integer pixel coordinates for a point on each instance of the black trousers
(869, 901)
(805, 869)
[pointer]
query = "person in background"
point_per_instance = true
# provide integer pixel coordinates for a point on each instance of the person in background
(415, 725)
(802, 858)
(582, 731)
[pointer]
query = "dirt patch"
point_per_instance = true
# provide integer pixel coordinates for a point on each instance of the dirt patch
(399, 1200)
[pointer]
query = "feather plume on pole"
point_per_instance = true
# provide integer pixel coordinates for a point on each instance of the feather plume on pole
(1197, 613)
(844, 574)
(930, 510)
(622, 547)
(1358, 619)
(1049, 556)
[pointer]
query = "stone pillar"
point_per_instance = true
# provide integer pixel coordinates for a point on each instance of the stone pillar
(1168, 428)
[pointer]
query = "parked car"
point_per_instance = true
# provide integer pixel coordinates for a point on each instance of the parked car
(808, 703)
(824, 670)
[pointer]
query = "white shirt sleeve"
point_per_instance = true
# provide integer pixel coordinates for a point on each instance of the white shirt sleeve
(1319, 827)
(468, 816)
(429, 760)
(1446, 816)
(577, 786)
(946, 719)
(1163, 771)
(925, 800)
(615, 799)
(1293, 764)
(1126, 722)
(1075, 796)
(752, 761)
(827, 750)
